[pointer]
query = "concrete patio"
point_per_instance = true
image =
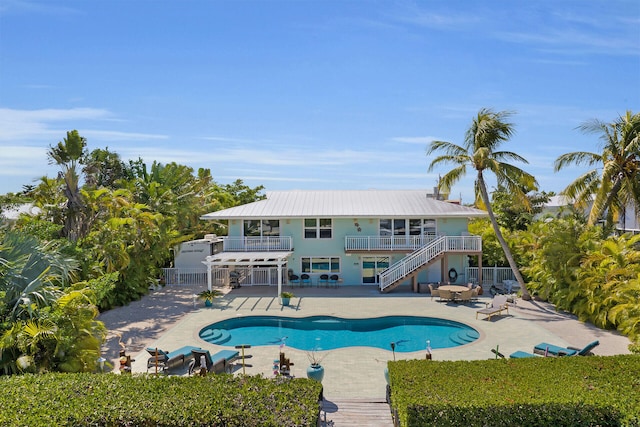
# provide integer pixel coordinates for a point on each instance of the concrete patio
(171, 318)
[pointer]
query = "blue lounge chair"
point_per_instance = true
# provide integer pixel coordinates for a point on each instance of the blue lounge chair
(521, 355)
(554, 350)
(218, 363)
(169, 360)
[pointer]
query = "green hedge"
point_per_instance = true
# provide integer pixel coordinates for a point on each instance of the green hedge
(564, 391)
(125, 400)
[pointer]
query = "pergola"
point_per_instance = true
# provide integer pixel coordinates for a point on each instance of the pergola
(247, 259)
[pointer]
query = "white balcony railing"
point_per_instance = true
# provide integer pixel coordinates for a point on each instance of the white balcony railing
(386, 243)
(257, 244)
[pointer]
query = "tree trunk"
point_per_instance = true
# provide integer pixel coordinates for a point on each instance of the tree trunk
(594, 216)
(496, 228)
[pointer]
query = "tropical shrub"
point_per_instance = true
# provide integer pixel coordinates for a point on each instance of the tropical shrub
(125, 400)
(564, 391)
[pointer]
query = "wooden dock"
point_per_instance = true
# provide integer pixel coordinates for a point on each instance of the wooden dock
(355, 412)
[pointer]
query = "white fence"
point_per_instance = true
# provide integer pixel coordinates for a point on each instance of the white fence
(490, 275)
(220, 276)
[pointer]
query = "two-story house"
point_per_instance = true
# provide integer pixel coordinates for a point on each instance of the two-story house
(368, 237)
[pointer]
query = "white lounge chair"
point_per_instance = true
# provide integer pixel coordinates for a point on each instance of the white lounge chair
(496, 306)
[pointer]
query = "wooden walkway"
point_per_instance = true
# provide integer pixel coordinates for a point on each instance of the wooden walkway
(355, 412)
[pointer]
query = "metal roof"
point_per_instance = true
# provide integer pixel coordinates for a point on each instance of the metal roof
(347, 204)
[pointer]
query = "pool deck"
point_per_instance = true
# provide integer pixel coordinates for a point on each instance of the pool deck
(170, 319)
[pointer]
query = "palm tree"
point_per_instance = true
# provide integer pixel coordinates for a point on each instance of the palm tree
(68, 155)
(488, 130)
(617, 186)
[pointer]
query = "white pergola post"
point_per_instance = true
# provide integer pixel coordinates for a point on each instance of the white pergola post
(280, 264)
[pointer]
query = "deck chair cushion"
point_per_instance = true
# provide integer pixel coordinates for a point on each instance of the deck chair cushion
(554, 350)
(521, 355)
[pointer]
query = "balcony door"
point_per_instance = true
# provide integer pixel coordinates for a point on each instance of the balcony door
(371, 266)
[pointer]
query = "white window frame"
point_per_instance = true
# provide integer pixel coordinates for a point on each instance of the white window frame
(331, 259)
(317, 228)
(260, 227)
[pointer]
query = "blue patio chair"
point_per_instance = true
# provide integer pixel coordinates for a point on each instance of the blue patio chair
(219, 363)
(294, 279)
(555, 350)
(305, 280)
(323, 279)
(333, 280)
(169, 360)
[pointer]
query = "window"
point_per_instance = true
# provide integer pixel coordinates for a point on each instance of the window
(320, 264)
(318, 228)
(398, 227)
(261, 228)
(429, 227)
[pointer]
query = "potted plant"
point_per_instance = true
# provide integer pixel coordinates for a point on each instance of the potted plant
(315, 371)
(208, 296)
(286, 297)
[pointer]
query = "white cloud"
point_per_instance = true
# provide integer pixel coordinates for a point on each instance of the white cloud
(30, 125)
(423, 140)
(35, 124)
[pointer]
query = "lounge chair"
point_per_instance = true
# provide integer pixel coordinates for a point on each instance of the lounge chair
(496, 306)
(521, 355)
(204, 362)
(555, 350)
(169, 360)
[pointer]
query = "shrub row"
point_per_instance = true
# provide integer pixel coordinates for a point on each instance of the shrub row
(144, 400)
(564, 391)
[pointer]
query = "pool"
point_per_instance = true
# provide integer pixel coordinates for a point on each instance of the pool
(409, 333)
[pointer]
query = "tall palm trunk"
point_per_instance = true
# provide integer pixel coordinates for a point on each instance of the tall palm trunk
(496, 228)
(596, 214)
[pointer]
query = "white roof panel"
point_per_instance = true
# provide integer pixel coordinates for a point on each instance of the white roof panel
(347, 203)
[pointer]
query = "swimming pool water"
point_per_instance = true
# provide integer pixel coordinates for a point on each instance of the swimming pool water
(409, 333)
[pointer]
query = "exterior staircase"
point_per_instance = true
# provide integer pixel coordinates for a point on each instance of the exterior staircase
(424, 256)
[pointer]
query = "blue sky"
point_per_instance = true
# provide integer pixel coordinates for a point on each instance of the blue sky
(310, 94)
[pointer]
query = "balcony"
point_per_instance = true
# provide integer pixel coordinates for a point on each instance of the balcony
(385, 243)
(257, 244)
(407, 243)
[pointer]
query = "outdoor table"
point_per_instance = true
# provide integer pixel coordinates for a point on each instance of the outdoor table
(456, 289)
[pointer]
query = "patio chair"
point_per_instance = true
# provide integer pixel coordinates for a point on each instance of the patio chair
(555, 350)
(169, 359)
(324, 278)
(333, 280)
(294, 279)
(497, 305)
(465, 296)
(305, 280)
(204, 362)
(475, 293)
(445, 295)
(433, 291)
